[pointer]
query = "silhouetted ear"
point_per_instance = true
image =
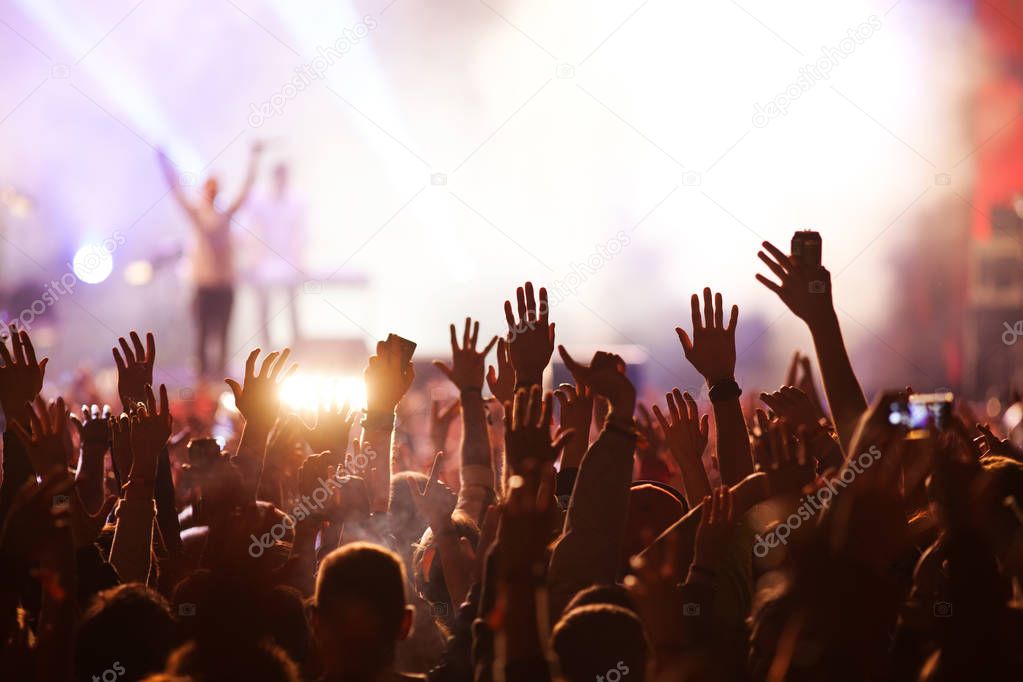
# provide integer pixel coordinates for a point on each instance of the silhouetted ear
(406, 623)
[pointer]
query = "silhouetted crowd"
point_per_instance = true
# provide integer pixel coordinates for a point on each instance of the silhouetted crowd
(520, 535)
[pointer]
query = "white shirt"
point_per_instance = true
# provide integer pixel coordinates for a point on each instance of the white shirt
(210, 248)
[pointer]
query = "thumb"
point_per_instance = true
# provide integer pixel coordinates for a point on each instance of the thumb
(443, 368)
(236, 389)
(683, 337)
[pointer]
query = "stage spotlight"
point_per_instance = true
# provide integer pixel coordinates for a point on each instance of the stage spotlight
(138, 273)
(92, 263)
(305, 393)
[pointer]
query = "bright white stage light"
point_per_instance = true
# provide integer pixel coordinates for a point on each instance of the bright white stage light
(307, 392)
(92, 263)
(138, 273)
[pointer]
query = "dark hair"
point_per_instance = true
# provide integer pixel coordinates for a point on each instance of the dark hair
(254, 662)
(592, 640)
(128, 625)
(363, 574)
(615, 595)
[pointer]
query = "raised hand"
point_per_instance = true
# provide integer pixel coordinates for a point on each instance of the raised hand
(990, 444)
(576, 409)
(93, 427)
(527, 433)
(93, 432)
(21, 375)
(806, 292)
(387, 379)
(333, 424)
(150, 429)
(436, 501)
(605, 375)
(120, 445)
(46, 437)
(783, 458)
(502, 379)
(531, 338)
(792, 405)
(711, 349)
(686, 435)
(440, 422)
(650, 443)
(800, 375)
(134, 368)
(467, 365)
(715, 529)
(257, 398)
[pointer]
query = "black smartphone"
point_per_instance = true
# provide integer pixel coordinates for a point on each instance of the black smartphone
(922, 413)
(408, 348)
(806, 248)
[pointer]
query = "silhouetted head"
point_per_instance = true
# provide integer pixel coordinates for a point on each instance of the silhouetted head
(593, 640)
(360, 611)
(210, 189)
(128, 626)
(615, 595)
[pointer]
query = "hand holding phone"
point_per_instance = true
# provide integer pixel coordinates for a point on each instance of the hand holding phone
(806, 248)
(922, 413)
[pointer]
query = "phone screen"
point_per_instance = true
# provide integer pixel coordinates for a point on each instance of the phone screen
(923, 413)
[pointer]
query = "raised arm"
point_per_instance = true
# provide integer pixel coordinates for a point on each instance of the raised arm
(687, 435)
(250, 179)
(467, 373)
(531, 338)
(170, 174)
(21, 379)
(807, 293)
(589, 550)
(258, 401)
(387, 381)
(711, 350)
(94, 437)
(150, 427)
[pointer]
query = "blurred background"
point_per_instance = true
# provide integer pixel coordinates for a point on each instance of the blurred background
(624, 154)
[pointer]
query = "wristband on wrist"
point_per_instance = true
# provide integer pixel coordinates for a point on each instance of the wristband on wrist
(724, 390)
(378, 420)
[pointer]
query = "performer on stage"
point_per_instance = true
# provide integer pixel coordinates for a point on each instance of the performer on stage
(277, 221)
(211, 261)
